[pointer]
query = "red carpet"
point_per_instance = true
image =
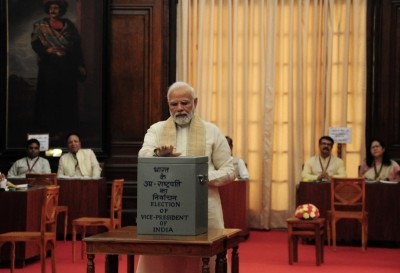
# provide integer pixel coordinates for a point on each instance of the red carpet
(262, 252)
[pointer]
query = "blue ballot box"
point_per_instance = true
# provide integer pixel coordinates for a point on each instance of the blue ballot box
(172, 195)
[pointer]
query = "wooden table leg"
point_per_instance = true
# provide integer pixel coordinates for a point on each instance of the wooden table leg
(235, 260)
(206, 267)
(295, 248)
(111, 264)
(323, 244)
(317, 232)
(291, 249)
(90, 263)
(220, 263)
(130, 264)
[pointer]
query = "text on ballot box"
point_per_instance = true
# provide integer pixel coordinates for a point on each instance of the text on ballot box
(172, 195)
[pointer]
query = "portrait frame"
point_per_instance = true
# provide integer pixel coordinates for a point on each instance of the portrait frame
(18, 83)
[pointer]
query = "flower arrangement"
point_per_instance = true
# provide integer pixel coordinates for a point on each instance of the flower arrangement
(307, 212)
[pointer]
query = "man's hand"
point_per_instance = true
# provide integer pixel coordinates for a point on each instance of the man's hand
(323, 175)
(166, 151)
(56, 51)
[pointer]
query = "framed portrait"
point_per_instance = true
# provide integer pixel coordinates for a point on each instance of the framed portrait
(53, 75)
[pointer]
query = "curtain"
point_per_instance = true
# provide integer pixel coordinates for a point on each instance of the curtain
(275, 76)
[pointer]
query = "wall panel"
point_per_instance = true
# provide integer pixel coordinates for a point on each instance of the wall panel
(383, 105)
(139, 71)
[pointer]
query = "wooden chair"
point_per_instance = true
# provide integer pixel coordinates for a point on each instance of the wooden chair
(314, 229)
(348, 202)
(47, 233)
(113, 222)
(49, 179)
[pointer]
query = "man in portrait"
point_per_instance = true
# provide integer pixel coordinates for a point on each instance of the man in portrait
(57, 44)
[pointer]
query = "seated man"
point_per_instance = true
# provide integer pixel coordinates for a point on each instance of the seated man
(78, 162)
(32, 163)
(241, 171)
(322, 167)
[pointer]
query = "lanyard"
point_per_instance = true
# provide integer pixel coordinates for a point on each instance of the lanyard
(33, 165)
(327, 165)
(377, 173)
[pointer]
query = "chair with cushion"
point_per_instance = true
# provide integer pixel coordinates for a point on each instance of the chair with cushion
(348, 202)
(112, 222)
(45, 179)
(47, 233)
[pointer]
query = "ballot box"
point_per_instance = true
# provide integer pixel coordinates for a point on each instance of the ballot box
(172, 195)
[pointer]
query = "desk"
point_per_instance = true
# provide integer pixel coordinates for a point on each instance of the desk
(20, 212)
(382, 204)
(126, 241)
(235, 205)
(84, 197)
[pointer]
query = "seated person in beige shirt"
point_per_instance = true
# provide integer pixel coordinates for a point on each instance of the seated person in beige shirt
(378, 165)
(78, 162)
(325, 165)
(241, 172)
(32, 163)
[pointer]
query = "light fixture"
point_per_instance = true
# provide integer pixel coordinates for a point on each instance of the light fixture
(56, 152)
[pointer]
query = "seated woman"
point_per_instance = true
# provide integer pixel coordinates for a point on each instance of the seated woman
(378, 165)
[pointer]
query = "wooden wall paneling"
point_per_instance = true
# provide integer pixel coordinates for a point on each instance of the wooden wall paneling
(383, 81)
(139, 75)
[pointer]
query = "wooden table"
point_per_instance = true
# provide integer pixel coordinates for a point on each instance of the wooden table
(84, 197)
(20, 212)
(127, 241)
(235, 205)
(382, 204)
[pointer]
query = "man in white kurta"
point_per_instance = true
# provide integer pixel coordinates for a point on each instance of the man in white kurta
(241, 171)
(186, 134)
(32, 163)
(81, 163)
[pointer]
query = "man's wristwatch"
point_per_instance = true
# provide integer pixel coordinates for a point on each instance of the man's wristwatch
(155, 152)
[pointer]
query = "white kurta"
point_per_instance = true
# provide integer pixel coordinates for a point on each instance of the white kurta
(83, 164)
(312, 168)
(241, 171)
(220, 172)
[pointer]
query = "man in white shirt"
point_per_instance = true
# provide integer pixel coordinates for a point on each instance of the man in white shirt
(32, 163)
(186, 134)
(322, 167)
(78, 162)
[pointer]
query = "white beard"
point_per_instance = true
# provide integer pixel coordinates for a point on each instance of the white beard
(183, 120)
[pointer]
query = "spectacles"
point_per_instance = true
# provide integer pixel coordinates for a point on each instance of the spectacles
(375, 146)
(325, 143)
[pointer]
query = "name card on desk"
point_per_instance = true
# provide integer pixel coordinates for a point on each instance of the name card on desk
(172, 195)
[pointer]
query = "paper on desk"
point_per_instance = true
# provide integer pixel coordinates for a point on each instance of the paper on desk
(388, 182)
